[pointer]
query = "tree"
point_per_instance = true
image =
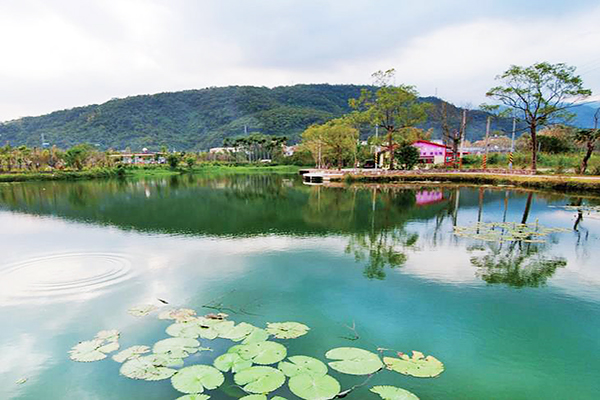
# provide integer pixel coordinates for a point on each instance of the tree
(540, 93)
(391, 107)
(331, 140)
(76, 156)
(588, 137)
(190, 161)
(407, 156)
(173, 160)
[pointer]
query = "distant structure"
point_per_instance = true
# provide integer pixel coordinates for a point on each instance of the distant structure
(143, 158)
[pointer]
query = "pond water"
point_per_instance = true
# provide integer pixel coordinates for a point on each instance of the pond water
(363, 266)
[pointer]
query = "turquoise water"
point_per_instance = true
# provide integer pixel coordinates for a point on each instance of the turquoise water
(510, 321)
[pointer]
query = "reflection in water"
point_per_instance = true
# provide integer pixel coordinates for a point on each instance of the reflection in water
(518, 264)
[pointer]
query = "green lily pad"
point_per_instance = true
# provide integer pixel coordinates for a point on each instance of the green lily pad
(176, 347)
(232, 361)
(142, 310)
(419, 365)
(196, 378)
(259, 379)
(130, 353)
(393, 393)
(109, 347)
(111, 335)
(21, 381)
(164, 360)
(236, 333)
(287, 330)
(257, 335)
(179, 314)
(146, 368)
(354, 361)
(298, 365)
(194, 397)
(90, 350)
(192, 329)
(312, 387)
(262, 352)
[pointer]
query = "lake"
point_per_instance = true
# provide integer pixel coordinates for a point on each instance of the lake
(374, 267)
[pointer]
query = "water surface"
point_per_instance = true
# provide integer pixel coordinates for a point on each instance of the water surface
(510, 320)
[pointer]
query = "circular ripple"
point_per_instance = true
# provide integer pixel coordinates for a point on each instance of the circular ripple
(63, 277)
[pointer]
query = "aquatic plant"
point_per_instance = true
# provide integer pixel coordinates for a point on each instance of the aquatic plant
(506, 231)
(259, 365)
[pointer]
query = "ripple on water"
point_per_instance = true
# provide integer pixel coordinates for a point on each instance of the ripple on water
(62, 277)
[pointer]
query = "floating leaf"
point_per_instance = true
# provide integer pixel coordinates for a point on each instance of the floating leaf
(193, 328)
(142, 310)
(232, 361)
(235, 333)
(21, 381)
(176, 347)
(130, 353)
(312, 387)
(298, 365)
(257, 335)
(259, 379)
(179, 314)
(287, 330)
(164, 360)
(196, 378)
(262, 352)
(194, 397)
(354, 361)
(393, 393)
(109, 348)
(506, 231)
(419, 365)
(111, 335)
(146, 368)
(88, 351)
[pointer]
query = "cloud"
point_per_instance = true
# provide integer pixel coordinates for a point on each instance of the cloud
(64, 53)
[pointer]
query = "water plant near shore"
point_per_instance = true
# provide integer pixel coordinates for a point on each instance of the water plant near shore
(259, 365)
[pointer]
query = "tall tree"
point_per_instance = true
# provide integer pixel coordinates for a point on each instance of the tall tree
(333, 140)
(588, 137)
(392, 107)
(540, 93)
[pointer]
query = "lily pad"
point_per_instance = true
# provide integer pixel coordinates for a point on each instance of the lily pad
(312, 387)
(236, 333)
(196, 378)
(354, 361)
(194, 397)
(164, 360)
(111, 335)
(418, 365)
(142, 310)
(21, 381)
(298, 365)
(109, 347)
(193, 328)
(176, 347)
(259, 379)
(130, 353)
(257, 335)
(393, 393)
(287, 330)
(90, 350)
(262, 352)
(146, 368)
(179, 314)
(232, 361)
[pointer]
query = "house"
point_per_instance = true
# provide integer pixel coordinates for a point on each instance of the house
(222, 150)
(433, 153)
(139, 158)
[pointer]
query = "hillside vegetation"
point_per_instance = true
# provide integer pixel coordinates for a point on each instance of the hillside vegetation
(199, 119)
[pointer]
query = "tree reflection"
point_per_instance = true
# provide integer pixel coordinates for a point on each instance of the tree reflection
(380, 249)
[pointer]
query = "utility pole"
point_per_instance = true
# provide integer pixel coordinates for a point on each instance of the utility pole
(512, 144)
(463, 128)
(487, 136)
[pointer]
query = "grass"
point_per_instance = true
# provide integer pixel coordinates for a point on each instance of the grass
(142, 171)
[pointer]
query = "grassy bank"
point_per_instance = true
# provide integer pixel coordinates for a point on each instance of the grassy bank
(560, 183)
(141, 171)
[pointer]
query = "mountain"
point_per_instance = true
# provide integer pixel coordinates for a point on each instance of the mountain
(199, 119)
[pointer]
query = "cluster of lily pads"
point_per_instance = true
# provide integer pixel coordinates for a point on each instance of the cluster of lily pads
(259, 364)
(506, 232)
(583, 208)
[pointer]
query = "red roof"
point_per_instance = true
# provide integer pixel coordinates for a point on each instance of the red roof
(432, 143)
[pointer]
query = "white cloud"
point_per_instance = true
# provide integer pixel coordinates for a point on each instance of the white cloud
(60, 54)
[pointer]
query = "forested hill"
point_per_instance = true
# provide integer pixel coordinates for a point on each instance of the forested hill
(199, 119)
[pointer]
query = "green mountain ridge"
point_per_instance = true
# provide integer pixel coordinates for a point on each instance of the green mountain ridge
(200, 119)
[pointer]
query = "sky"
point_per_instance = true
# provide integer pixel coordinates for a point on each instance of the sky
(58, 54)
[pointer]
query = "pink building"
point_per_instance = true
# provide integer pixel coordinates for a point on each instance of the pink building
(433, 153)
